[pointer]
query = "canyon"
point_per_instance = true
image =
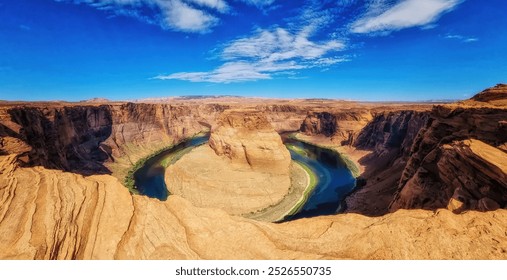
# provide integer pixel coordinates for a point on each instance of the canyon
(431, 179)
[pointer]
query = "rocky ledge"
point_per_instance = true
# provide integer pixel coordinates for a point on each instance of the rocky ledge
(50, 214)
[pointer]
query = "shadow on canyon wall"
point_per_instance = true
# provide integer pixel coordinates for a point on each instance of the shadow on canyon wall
(432, 160)
(68, 139)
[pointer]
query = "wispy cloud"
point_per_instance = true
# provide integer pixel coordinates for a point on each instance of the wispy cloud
(383, 18)
(195, 16)
(264, 54)
(461, 38)
(259, 3)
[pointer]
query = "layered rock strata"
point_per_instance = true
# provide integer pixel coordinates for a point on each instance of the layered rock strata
(342, 127)
(50, 214)
(459, 155)
(97, 139)
(244, 169)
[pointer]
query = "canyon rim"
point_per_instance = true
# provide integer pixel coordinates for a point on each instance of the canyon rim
(270, 130)
(431, 179)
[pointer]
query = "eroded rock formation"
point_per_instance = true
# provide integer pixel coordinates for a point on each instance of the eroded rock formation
(50, 214)
(247, 138)
(244, 169)
(496, 93)
(98, 139)
(458, 155)
(450, 157)
(389, 137)
(342, 127)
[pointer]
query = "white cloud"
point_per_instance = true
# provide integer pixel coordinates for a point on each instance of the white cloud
(266, 53)
(180, 15)
(219, 5)
(197, 16)
(229, 72)
(405, 14)
(259, 3)
(461, 38)
(278, 45)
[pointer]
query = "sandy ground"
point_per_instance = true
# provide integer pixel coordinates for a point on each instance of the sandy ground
(300, 181)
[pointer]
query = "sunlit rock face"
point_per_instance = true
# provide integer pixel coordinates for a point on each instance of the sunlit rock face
(248, 139)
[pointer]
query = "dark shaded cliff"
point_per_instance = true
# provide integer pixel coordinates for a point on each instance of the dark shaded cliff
(343, 127)
(389, 136)
(82, 139)
(65, 138)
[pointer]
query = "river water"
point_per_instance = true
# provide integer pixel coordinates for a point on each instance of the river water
(335, 180)
(149, 179)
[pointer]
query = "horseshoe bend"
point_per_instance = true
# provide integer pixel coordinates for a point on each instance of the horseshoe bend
(268, 179)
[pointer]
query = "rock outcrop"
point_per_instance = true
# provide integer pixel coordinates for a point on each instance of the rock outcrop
(244, 169)
(496, 93)
(319, 123)
(50, 214)
(458, 156)
(389, 138)
(342, 127)
(284, 117)
(247, 138)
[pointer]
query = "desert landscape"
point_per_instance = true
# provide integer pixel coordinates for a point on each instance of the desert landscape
(430, 180)
(298, 133)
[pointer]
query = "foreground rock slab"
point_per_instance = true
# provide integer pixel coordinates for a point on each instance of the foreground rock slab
(49, 214)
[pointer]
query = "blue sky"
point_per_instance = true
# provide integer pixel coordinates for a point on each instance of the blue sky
(347, 49)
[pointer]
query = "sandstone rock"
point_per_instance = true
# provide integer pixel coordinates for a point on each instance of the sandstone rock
(319, 123)
(98, 139)
(248, 139)
(343, 127)
(208, 180)
(244, 169)
(498, 92)
(49, 214)
(469, 171)
(455, 206)
(389, 138)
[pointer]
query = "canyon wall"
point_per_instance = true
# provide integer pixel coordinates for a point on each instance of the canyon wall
(98, 139)
(343, 127)
(389, 138)
(458, 160)
(447, 157)
(284, 117)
